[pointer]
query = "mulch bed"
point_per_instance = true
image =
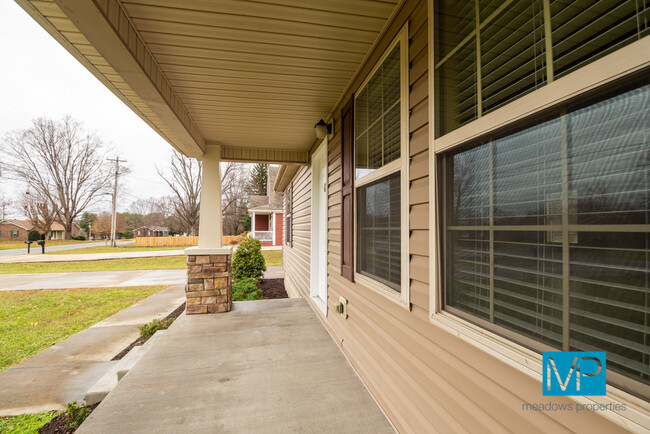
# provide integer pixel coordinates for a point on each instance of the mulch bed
(58, 425)
(141, 340)
(273, 288)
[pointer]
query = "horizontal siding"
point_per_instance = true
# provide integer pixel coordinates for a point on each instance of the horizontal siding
(296, 259)
(424, 378)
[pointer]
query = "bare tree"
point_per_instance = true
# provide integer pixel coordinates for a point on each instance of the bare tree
(234, 186)
(103, 224)
(184, 178)
(39, 212)
(60, 163)
(4, 204)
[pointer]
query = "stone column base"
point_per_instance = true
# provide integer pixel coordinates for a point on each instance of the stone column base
(209, 284)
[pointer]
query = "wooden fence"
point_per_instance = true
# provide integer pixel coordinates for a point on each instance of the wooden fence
(182, 241)
(166, 241)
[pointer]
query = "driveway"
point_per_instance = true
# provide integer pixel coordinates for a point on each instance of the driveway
(91, 279)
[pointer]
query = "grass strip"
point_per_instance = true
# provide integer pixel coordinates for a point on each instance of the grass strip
(109, 249)
(6, 245)
(152, 263)
(25, 423)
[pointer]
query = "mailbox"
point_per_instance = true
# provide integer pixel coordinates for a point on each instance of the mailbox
(42, 244)
(29, 243)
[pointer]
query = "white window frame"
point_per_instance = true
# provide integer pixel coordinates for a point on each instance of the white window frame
(400, 165)
(618, 64)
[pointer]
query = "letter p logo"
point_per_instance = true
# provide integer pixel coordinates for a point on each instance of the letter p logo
(571, 373)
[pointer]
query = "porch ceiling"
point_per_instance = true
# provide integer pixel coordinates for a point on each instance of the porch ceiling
(252, 76)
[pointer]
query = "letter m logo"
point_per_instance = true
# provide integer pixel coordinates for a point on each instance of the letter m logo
(570, 373)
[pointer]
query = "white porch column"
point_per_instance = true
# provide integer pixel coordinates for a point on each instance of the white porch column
(253, 225)
(209, 271)
(210, 220)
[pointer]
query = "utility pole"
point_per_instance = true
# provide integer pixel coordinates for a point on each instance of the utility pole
(114, 219)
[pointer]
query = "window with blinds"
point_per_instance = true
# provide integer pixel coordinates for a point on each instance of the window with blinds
(548, 232)
(490, 52)
(377, 118)
(379, 240)
(378, 137)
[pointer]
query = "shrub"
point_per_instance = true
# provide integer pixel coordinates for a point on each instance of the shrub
(246, 289)
(79, 238)
(75, 415)
(147, 330)
(34, 236)
(248, 260)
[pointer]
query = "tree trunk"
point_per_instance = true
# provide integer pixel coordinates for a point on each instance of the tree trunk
(68, 231)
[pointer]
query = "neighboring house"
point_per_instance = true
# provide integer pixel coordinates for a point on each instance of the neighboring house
(266, 213)
(57, 232)
(15, 230)
(482, 197)
(151, 231)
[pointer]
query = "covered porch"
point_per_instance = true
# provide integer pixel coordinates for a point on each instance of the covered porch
(267, 366)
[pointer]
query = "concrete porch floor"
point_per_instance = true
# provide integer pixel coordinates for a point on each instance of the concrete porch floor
(267, 366)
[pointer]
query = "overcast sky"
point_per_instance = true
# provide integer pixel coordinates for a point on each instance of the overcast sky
(39, 77)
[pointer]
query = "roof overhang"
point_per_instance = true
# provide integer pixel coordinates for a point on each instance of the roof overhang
(253, 78)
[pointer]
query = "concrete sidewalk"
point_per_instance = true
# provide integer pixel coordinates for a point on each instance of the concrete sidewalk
(87, 256)
(91, 279)
(265, 367)
(65, 371)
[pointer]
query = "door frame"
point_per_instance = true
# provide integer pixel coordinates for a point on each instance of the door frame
(318, 260)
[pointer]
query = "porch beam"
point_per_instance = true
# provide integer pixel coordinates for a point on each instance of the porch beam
(264, 155)
(107, 27)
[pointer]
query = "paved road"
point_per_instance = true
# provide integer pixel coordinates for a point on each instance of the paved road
(36, 249)
(91, 279)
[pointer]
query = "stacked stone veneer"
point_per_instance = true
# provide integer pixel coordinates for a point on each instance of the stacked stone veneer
(209, 284)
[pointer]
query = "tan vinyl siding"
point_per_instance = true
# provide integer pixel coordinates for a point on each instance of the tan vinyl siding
(296, 259)
(424, 378)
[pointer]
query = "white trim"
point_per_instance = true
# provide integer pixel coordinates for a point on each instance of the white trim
(199, 251)
(263, 211)
(402, 298)
(615, 65)
(253, 223)
(383, 171)
(274, 222)
(318, 158)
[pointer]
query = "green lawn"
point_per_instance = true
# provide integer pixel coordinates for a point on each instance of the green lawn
(5, 245)
(31, 321)
(26, 423)
(109, 249)
(272, 257)
(152, 263)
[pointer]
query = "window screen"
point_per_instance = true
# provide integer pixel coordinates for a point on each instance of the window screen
(548, 231)
(379, 229)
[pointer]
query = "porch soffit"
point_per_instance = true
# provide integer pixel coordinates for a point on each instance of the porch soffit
(253, 77)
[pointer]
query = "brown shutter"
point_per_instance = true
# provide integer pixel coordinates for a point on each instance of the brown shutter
(347, 191)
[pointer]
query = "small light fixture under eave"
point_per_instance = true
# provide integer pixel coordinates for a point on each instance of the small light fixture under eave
(323, 129)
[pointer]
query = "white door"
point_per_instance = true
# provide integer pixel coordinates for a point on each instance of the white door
(319, 227)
